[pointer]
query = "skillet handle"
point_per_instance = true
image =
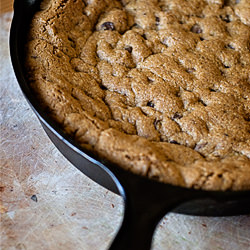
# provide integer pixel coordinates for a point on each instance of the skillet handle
(136, 232)
(146, 202)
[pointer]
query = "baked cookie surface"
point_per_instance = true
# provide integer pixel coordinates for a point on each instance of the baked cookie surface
(161, 88)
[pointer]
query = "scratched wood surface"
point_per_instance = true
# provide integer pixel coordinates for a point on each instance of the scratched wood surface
(47, 204)
(5, 6)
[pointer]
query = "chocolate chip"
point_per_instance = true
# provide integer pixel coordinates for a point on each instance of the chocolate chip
(212, 90)
(177, 116)
(144, 36)
(247, 118)
(129, 49)
(227, 67)
(196, 29)
(150, 104)
(34, 198)
(108, 26)
(226, 3)
(202, 39)
(174, 142)
(229, 46)
(157, 19)
(128, 157)
(202, 102)
(225, 18)
(103, 87)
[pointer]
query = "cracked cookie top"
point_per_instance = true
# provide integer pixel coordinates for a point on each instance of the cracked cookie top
(162, 88)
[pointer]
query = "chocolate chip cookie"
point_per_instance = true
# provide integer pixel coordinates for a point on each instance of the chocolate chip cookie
(162, 88)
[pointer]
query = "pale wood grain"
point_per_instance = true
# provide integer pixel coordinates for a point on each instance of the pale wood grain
(6, 6)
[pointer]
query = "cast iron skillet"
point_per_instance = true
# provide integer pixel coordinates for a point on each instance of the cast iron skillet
(146, 201)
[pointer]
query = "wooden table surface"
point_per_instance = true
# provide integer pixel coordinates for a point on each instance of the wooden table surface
(5, 6)
(46, 203)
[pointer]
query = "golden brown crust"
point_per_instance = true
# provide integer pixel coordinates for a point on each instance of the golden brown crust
(160, 87)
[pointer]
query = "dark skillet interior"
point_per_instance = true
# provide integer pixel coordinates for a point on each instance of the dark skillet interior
(146, 201)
